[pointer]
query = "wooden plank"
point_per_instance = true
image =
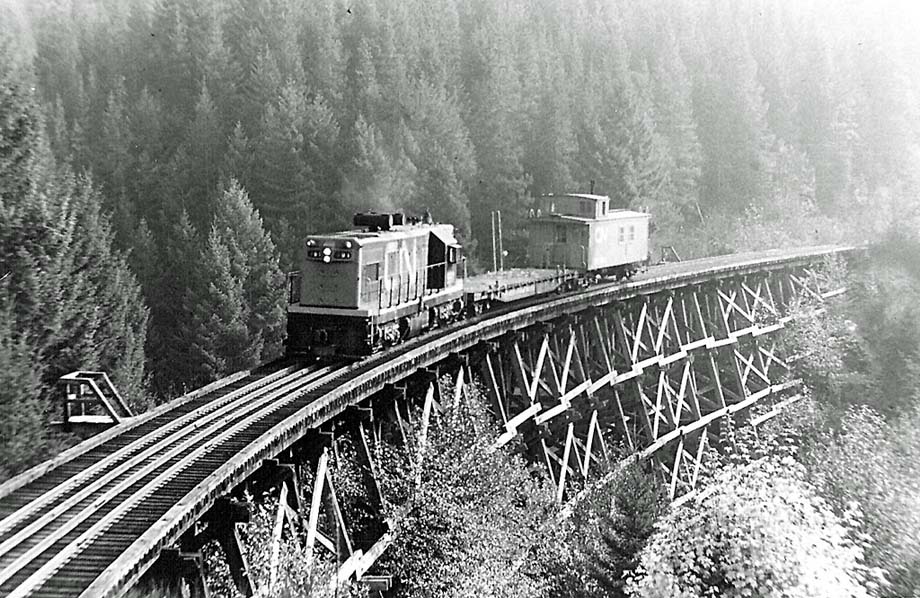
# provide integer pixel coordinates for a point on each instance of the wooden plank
(276, 540)
(423, 435)
(514, 422)
(316, 500)
(565, 463)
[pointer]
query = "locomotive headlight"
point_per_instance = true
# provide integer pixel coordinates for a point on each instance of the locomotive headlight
(347, 244)
(326, 259)
(327, 252)
(310, 242)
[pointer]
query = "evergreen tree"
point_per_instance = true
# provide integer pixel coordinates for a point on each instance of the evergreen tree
(635, 504)
(374, 180)
(674, 122)
(550, 143)
(98, 318)
(24, 438)
(172, 298)
(68, 300)
(254, 266)
(221, 343)
(238, 159)
(323, 55)
(29, 218)
(494, 94)
(148, 185)
(618, 145)
(295, 173)
(202, 153)
(731, 113)
(443, 157)
(18, 132)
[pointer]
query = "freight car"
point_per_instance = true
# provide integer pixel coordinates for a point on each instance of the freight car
(394, 277)
(582, 232)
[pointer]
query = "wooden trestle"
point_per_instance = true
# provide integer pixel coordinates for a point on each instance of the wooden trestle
(653, 376)
(651, 367)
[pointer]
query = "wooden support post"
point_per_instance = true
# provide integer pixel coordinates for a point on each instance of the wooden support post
(178, 572)
(223, 521)
(277, 530)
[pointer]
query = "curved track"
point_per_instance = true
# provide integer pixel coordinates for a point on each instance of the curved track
(92, 506)
(92, 520)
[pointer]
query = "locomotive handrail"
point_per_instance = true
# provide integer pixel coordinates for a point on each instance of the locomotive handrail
(295, 280)
(392, 290)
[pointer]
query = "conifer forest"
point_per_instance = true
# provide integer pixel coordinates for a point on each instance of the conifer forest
(161, 162)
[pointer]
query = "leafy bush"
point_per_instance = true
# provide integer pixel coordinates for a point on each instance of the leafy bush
(761, 531)
(876, 465)
(612, 526)
(479, 523)
(298, 575)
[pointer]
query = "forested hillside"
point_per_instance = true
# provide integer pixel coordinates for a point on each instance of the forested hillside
(187, 145)
(696, 110)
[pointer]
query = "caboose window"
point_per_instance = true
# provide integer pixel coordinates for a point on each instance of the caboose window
(632, 233)
(371, 272)
(622, 235)
(560, 234)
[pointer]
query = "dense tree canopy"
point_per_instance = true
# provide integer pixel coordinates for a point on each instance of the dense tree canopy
(691, 109)
(68, 299)
(728, 121)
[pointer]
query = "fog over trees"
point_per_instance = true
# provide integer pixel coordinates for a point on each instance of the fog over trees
(160, 161)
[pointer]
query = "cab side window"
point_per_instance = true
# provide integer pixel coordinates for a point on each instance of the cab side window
(371, 272)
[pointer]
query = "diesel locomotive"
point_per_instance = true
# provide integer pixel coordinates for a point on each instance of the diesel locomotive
(393, 277)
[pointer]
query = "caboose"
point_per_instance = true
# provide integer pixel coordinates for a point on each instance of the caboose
(581, 231)
(364, 289)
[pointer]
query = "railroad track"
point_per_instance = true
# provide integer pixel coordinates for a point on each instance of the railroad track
(89, 522)
(60, 531)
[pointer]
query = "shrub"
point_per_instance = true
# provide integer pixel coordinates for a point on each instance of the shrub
(761, 531)
(876, 464)
(479, 523)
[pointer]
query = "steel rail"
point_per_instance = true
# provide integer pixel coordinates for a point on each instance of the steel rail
(18, 481)
(56, 493)
(201, 433)
(200, 443)
(158, 444)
